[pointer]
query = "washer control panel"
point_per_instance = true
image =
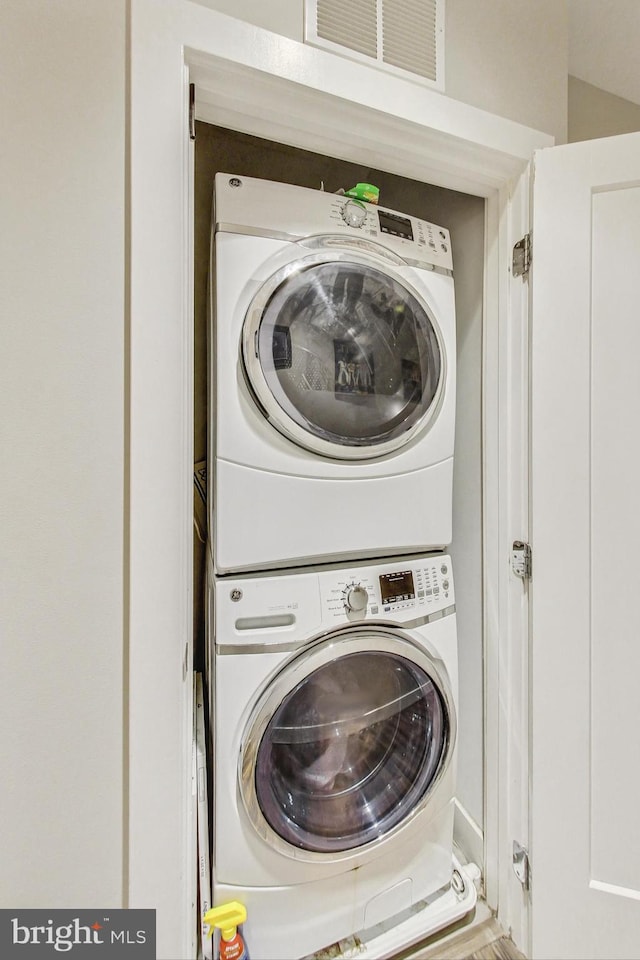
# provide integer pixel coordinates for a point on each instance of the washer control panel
(286, 607)
(398, 592)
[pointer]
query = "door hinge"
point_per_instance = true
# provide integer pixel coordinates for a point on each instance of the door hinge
(192, 111)
(521, 561)
(521, 260)
(521, 865)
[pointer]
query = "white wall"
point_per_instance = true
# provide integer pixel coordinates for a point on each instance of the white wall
(595, 113)
(62, 354)
(510, 58)
(285, 17)
(506, 57)
(604, 39)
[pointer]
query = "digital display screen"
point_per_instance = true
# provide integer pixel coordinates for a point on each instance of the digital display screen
(397, 226)
(397, 586)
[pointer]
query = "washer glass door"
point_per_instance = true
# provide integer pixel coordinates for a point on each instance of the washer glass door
(352, 750)
(343, 355)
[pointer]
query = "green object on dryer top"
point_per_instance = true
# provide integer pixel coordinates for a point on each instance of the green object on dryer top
(364, 191)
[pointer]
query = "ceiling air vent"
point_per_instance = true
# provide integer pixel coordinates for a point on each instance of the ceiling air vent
(405, 37)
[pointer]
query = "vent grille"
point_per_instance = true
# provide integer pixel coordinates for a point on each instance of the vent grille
(353, 25)
(403, 36)
(409, 36)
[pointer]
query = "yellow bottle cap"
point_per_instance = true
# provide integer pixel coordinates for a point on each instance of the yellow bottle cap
(226, 918)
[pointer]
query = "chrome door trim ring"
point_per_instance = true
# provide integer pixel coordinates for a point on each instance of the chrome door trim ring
(262, 392)
(356, 640)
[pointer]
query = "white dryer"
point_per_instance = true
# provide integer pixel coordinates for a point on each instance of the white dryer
(332, 387)
(333, 708)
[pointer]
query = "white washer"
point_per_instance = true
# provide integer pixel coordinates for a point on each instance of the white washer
(333, 704)
(332, 397)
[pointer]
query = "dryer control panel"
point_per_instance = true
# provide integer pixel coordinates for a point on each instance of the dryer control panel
(399, 592)
(289, 212)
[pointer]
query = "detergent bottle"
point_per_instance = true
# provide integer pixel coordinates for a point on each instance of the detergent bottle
(227, 918)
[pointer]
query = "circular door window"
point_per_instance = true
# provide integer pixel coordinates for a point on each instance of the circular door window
(343, 356)
(352, 751)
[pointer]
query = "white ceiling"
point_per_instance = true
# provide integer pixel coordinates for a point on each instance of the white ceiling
(604, 45)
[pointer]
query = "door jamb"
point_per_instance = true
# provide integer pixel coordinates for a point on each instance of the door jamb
(161, 354)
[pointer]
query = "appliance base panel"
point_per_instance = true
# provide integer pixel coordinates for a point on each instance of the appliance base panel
(286, 923)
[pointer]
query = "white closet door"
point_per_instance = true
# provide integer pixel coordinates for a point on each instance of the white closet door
(585, 592)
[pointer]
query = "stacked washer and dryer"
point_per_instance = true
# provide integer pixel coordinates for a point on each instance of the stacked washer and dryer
(332, 648)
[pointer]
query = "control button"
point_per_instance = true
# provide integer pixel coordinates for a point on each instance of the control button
(354, 214)
(374, 610)
(445, 584)
(443, 568)
(420, 593)
(356, 598)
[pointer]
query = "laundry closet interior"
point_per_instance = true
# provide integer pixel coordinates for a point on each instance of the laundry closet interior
(218, 149)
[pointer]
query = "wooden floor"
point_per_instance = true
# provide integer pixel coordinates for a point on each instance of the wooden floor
(483, 941)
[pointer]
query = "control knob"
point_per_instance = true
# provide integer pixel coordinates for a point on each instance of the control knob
(356, 598)
(354, 214)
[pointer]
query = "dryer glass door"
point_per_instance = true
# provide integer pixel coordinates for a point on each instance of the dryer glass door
(344, 356)
(351, 751)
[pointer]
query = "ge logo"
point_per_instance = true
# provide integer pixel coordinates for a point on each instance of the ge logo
(236, 595)
(235, 182)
